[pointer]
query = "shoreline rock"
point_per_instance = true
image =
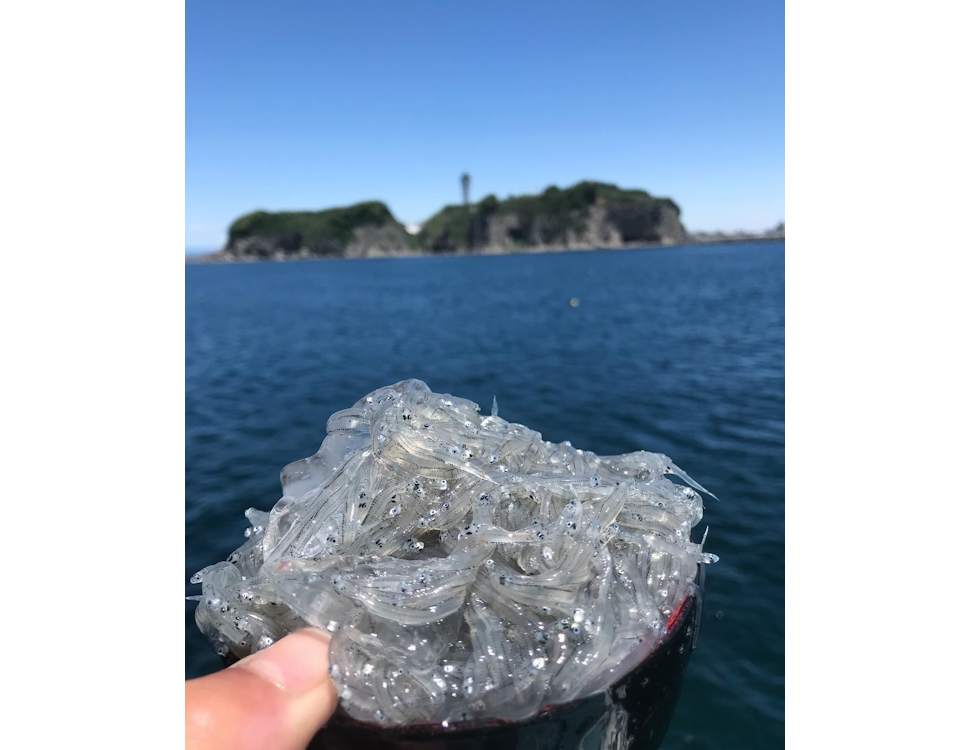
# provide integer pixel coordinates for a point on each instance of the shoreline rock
(708, 238)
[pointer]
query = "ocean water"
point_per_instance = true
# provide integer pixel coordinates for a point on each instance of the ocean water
(679, 351)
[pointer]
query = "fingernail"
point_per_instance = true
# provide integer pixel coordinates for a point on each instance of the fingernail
(296, 663)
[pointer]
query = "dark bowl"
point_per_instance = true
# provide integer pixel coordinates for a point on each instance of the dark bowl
(636, 709)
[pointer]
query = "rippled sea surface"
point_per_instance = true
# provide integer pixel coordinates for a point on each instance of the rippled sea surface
(679, 351)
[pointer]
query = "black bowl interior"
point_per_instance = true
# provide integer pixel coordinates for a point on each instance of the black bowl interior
(636, 709)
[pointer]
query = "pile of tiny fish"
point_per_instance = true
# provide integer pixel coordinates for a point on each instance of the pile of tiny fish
(465, 567)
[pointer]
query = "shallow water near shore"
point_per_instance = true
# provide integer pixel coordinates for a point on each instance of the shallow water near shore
(678, 351)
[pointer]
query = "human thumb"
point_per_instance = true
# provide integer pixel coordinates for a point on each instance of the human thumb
(275, 699)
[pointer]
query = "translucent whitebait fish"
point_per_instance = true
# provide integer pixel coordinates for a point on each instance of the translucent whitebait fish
(465, 567)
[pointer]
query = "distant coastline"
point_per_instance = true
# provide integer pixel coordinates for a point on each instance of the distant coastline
(586, 216)
(707, 238)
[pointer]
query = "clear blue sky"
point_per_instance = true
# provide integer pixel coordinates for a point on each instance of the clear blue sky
(305, 105)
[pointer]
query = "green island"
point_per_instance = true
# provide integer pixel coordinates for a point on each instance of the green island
(586, 216)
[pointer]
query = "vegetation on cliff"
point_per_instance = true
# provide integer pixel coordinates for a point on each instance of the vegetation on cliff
(327, 232)
(588, 214)
(555, 216)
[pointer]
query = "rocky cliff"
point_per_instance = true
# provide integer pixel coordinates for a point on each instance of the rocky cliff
(362, 230)
(585, 216)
